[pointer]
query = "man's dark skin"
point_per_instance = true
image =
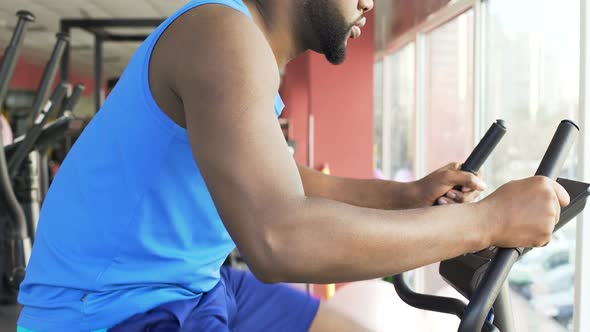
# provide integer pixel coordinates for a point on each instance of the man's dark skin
(216, 72)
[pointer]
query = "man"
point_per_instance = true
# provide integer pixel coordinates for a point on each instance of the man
(186, 158)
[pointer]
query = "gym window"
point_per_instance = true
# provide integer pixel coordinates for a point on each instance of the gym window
(440, 85)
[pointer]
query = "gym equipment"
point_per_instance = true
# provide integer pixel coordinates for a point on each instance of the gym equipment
(21, 153)
(49, 134)
(21, 169)
(66, 113)
(12, 52)
(72, 101)
(27, 180)
(15, 240)
(484, 149)
(481, 277)
(21, 120)
(50, 72)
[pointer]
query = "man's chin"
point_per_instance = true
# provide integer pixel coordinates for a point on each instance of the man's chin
(336, 57)
(336, 61)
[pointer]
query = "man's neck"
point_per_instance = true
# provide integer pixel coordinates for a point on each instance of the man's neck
(274, 20)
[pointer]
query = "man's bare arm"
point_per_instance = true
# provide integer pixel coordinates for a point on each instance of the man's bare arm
(392, 195)
(376, 194)
(227, 83)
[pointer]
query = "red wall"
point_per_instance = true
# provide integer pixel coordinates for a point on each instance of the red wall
(27, 76)
(295, 93)
(408, 14)
(341, 100)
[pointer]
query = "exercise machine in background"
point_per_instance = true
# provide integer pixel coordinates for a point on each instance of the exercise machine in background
(24, 167)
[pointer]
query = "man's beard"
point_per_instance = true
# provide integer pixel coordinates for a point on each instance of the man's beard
(330, 28)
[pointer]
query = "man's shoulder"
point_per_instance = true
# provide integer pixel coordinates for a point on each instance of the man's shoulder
(213, 43)
(212, 25)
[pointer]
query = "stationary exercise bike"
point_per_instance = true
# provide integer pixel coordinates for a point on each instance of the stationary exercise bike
(481, 277)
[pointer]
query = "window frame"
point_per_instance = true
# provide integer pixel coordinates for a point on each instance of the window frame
(582, 290)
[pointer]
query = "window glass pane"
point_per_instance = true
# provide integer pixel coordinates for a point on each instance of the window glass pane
(449, 107)
(449, 89)
(402, 110)
(531, 81)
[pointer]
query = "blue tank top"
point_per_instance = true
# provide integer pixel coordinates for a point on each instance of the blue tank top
(128, 223)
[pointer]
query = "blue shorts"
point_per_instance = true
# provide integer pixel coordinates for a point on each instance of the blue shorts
(238, 303)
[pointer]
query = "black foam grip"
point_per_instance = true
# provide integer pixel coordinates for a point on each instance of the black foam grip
(558, 150)
(485, 147)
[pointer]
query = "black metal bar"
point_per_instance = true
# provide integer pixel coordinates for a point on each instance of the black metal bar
(97, 31)
(50, 73)
(43, 176)
(125, 38)
(480, 304)
(19, 156)
(564, 138)
(442, 304)
(110, 36)
(65, 61)
(445, 305)
(16, 244)
(72, 101)
(12, 52)
(484, 149)
(9, 200)
(98, 79)
(28, 191)
(503, 310)
(50, 133)
(433, 303)
(114, 23)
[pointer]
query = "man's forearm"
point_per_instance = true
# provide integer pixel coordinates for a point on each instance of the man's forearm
(376, 194)
(324, 241)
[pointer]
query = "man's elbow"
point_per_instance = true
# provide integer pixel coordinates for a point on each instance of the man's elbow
(266, 275)
(267, 260)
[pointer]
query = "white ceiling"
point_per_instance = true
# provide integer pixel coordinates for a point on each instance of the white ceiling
(40, 37)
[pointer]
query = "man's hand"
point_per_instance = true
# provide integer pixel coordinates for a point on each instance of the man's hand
(438, 186)
(525, 212)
